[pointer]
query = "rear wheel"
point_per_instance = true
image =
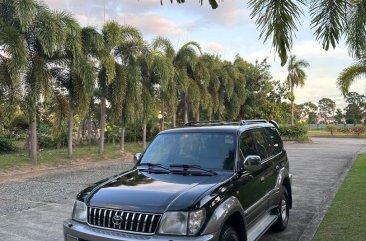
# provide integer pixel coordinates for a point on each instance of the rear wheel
(284, 212)
(228, 234)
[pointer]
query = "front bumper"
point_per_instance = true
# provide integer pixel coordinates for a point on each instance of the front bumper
(75, 231)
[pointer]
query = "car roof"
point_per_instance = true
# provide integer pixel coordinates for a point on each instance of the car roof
(218, 128)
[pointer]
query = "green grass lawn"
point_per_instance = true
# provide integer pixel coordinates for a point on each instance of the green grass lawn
(325, 133)
(346, 217)
(56, 157)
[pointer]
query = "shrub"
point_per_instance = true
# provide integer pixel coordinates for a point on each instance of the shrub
(358, 129)
(345, 130)
(331, 128)
(293, 132)
(6, 145)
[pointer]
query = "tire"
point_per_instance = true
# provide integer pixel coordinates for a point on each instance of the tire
(284, 212)
(228, 234)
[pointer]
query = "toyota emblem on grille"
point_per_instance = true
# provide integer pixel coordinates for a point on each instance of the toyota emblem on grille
(117, 220)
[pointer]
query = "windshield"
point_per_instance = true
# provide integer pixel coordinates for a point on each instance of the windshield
(208, 150)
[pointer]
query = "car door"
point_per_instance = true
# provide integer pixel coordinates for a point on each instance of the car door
(277, 158)
(252, 188)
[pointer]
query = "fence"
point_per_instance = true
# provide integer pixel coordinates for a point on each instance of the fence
(323, 126)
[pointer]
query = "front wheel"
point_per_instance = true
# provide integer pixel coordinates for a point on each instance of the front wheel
(228, 234)
(284, 212)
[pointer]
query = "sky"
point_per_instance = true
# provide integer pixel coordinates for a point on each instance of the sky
(226, 31)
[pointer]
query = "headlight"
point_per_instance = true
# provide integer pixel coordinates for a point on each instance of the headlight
(79, 212)
(174, 223)
(182, 223)
(196, 220)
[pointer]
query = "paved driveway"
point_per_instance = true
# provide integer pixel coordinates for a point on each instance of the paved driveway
(35, 208)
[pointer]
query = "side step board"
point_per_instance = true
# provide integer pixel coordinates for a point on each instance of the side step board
(261, 227)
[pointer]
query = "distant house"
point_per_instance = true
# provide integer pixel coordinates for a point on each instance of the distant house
(328, 120)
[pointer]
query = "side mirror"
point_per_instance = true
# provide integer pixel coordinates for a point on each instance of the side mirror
(252, 163)
(137, 157)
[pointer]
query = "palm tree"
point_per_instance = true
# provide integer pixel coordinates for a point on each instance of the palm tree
(296, 77)
(163, 75)
(114, 36)
(124, 89)
(184, 63)
(349, 75)
(75, 73)
(28, 48)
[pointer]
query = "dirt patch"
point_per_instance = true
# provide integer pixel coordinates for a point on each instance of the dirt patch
(21, 173)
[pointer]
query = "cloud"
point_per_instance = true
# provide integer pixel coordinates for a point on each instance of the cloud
(153, 24)
(311, 48)
(214, 47)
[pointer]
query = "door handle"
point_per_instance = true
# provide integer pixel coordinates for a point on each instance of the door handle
(262, 179)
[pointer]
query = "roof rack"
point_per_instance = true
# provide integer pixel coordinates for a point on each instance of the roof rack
(246, 122)
(219, 123)
(210, 123)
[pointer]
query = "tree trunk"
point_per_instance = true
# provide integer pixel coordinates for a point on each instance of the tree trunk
(144, 135)
(122, 141)
(79, 132)
(185, 110)
(89, 130)
(174, 120)
(1, 128)
(70, 125)
(33, 139)
(198, 115)
(102, 125)
(292, 113)
(163, 117)
(292, 106)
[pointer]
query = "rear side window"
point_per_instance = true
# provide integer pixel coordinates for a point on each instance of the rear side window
(275, 144)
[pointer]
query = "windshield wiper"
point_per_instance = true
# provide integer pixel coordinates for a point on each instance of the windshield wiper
(151, 165)
(186, 167)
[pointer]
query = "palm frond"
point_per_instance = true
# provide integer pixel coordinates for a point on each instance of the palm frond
(165, 44)
(356, 28)
(279, 20)
(349, 75)
(328, 19)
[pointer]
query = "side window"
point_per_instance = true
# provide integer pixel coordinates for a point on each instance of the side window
(274, 140)
(247, 146)
(260, 143)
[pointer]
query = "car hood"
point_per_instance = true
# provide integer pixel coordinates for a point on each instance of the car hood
(147, 192)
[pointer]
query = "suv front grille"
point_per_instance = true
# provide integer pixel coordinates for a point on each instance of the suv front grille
(133, 222)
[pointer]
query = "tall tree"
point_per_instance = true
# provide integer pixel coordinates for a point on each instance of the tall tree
(326, 108)
(114, 36)
(30, 35)
(296, 77)
(125, 88)
(163, 75)
(75, 73)
(184, 63)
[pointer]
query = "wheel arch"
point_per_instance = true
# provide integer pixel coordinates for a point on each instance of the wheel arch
(228, 212)
(236, 221)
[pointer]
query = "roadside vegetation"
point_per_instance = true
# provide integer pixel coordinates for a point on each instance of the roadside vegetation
(58, 157)
(346, 217)
(357, 131)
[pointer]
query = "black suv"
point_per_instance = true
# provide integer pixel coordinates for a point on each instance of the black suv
(207, 181)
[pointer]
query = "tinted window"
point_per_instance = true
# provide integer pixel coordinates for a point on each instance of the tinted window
(260, 143)
(274, 140)
(209, 150)
(247, 146)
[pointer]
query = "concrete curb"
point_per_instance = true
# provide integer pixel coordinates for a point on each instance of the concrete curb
(312, 227)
